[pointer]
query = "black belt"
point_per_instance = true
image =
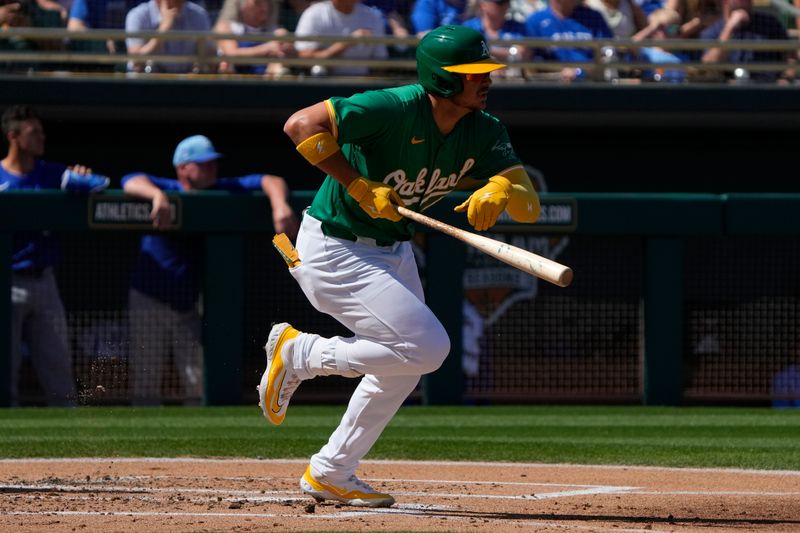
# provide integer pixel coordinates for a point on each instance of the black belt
(340, 233)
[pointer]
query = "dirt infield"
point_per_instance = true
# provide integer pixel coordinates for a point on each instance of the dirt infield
(262, 495)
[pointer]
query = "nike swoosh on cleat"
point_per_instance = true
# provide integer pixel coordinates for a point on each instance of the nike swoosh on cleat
(276, 400)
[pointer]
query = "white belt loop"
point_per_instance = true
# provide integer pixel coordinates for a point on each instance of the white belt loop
(366, 240)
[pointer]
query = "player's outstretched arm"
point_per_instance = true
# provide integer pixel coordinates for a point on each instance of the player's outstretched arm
(512, 191)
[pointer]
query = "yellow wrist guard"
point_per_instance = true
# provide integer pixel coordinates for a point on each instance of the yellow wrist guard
(318, 147)
(523, 206)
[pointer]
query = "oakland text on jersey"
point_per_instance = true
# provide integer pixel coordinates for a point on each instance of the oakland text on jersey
(422, 190)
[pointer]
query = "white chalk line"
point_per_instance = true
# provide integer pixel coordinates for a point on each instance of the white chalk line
(262, 495)
(408, 510)
(417, 510)
(247, 460)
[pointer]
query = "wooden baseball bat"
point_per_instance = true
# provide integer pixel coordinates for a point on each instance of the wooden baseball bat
(529, 262)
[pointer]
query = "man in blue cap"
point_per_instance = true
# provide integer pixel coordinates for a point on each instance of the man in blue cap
(164, 303)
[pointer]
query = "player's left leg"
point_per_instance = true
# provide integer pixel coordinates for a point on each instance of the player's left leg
(376, 293)
(331, 473)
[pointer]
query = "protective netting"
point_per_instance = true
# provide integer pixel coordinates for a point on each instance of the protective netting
(538, 342)
(525, 340)
(742, 316)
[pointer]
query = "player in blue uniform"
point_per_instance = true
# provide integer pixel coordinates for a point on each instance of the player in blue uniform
(37, 313)
(165, 284)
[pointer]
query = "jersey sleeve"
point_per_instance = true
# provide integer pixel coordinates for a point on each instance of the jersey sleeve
(165, 184)
(79, 11)
(251, 182)
(364, 117)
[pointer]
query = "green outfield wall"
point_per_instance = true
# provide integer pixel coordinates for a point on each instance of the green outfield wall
(677, 298)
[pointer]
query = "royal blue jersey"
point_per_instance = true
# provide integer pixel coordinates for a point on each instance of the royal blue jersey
(429, 14)
(511, 29)
(33, 251)
(168, 267)
(583, 25)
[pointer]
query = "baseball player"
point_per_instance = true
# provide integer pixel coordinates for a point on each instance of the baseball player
(165, 309)
(38, 319)
(411, 146)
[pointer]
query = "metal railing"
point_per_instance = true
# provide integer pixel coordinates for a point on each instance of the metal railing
(207, 59)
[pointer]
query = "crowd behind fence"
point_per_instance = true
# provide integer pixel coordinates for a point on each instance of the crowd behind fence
(47, 46)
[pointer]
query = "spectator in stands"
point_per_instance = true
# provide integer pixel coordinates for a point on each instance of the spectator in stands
(9, 14)
(60, 8)
(24, 14)
(741, 22)
(164, 301)
(243, 17)
(692, 17)
(662, 26)
(522, 9)
(650, 6)
(38, 321)
(429, 14)
(624, 17)
(396, 24)
(165, 16)
(13, 15)
(341, 18)
(567, 20)
(97, 14)
(493, 22)
(289, 13)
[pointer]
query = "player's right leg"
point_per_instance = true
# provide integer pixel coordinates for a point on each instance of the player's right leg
(376, 293)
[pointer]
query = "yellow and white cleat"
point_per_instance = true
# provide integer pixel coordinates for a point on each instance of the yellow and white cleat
(278, 382)
(352, 492)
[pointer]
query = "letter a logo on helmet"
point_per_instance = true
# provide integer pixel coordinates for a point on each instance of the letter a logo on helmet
(446, 52)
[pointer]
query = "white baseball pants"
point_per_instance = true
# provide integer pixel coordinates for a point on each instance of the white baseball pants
(376, 293)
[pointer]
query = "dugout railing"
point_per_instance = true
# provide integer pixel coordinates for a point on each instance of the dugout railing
(677, 298)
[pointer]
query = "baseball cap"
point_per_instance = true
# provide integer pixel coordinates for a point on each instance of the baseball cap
(194, 149)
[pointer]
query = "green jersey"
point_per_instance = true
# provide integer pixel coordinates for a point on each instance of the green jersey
(390, 136)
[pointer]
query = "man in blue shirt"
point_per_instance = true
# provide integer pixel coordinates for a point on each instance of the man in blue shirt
(567, 20)
(166, 16)
(164, 302)
(429, 14)
(38, 321)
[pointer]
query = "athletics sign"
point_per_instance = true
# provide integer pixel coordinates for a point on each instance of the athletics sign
(128, 213)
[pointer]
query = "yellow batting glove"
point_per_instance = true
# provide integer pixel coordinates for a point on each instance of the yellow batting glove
(485, 205)
(377, 199)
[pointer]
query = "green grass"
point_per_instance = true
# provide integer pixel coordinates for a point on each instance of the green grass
(721, 437)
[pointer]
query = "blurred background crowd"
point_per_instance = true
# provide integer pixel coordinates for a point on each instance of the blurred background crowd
(267, 37)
